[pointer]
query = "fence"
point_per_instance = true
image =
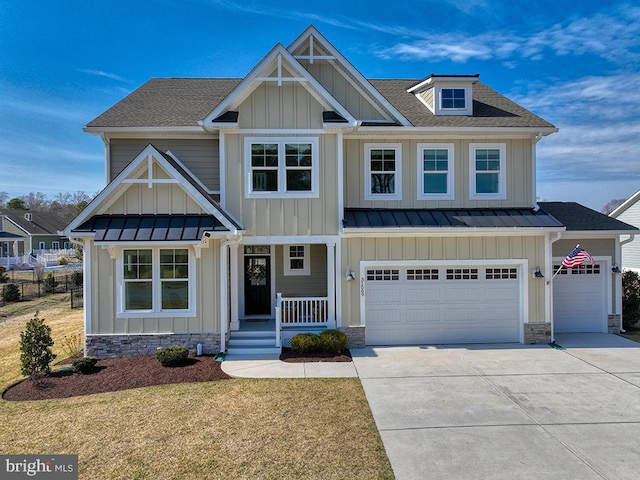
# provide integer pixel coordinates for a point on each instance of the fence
(77, 297)
(24, 290)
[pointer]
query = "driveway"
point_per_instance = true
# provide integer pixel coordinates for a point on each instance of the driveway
(508, 411)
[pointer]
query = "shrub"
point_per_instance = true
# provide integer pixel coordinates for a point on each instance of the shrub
(50, 283)
(62, 260)
(10, 292)
(84, 365)
(173, 356)
(305, 342)
(333, 341)
(630, 298)
(4, 278)
(73, 345)
(35, 347)
(76, 278)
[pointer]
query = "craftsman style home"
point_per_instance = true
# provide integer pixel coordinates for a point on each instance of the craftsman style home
(305, 196)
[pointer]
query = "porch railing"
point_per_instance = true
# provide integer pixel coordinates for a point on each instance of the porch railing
(300, 312)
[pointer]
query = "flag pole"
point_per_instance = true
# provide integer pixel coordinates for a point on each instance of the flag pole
(558, 271)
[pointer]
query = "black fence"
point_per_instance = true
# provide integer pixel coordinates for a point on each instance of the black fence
(77, 297)
(25, 290)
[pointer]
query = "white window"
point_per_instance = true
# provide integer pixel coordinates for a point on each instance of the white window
(281, 168)
(155, 282)
(453, 100)
(55, 245)
(383, 171)
(487, 167)
(435, 171)
(296, 260)
(41, 245)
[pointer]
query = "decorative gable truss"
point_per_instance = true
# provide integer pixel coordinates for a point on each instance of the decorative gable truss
(279, 68)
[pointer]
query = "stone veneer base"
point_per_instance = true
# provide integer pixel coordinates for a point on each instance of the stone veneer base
(113, 346)
(535, 333)
(355, 336)
(613, 323)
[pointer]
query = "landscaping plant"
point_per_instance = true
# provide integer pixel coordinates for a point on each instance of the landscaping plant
(4, 278)
(84, 365)
(50, 283)
(35, 348)
(630, 298)
(333, 341)
(305, 343)
(73, 345)
(173, 356)
(10, 292)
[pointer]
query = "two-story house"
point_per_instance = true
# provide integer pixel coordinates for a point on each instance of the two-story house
(305, 196)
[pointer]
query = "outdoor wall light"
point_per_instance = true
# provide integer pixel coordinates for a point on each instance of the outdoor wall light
(537, 273)
(349, 275)
(615, 268)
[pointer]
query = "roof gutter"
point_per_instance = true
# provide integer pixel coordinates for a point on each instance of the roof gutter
(366, 232)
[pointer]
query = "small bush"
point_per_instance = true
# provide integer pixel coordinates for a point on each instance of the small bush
(49, 283)
(174, 356)
(630, 298)
(35, 347)
(76, 278)
(62, 260)
(305, 343)
(333, 341)
(10, 292)
(73, 345)
(4, 278)
(84, 365)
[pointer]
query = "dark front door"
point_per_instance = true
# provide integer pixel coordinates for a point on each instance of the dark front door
(257, 285)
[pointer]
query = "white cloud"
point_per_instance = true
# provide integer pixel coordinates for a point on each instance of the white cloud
(112, 76)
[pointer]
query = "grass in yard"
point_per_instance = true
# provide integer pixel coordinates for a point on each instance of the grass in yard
(240, 429)
(632, 333)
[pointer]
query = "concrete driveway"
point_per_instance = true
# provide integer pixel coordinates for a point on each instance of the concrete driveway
(508, 411)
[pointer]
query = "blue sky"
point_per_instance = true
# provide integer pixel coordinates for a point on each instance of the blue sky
(577, 64)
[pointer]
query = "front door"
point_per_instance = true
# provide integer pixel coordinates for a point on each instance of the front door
(257, 285)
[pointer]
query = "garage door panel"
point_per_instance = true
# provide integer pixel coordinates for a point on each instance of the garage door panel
(579, 303)
(436, 309)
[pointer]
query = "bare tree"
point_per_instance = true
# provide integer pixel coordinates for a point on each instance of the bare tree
(611, 205)
(36, 201)
(4, 198)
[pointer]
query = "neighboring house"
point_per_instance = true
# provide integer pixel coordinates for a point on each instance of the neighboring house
(26, 232)
(629, 212)
(399, 211)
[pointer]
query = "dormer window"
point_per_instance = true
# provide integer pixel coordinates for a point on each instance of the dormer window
(453, 99)
(446, 94)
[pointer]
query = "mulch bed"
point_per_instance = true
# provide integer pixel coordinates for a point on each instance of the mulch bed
(290, 357)
(116, 374)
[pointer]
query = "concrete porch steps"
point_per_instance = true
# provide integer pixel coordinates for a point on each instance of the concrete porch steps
(252, 343)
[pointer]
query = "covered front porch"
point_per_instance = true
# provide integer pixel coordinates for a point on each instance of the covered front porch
(284, 288)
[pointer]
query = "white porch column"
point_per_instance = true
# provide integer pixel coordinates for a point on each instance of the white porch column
(233, 280)
(331, 284)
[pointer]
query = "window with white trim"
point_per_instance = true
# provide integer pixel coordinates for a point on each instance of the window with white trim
(487, 167)
(55, 245)
(41, 245)
(156, 281)
(383, 171)
(296, 260)
(435, 171)
(281, 167)
(453, 99)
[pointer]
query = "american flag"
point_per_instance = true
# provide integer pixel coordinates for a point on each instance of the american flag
(576, 257)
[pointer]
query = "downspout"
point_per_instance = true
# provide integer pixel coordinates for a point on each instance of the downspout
(534, 192)
(107, 158)
(224, 288)
(619, 245)
(549, 286)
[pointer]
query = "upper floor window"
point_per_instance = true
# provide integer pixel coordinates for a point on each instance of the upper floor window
(281, 167)
(383, 172)
(453, 98)
(296, 260)
(435, 171)
(487, 171)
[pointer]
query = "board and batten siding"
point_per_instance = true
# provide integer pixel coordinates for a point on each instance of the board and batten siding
(356, 250)
(519, 179)
(313, 285)
(283, 216)
(104, 320)
(597, 247)
(201, 156)
(631, 250)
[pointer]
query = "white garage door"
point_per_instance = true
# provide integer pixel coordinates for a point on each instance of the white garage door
(409, 305)
(579, 300)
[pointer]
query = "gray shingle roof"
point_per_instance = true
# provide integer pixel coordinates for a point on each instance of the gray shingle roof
(580, 218)
(182, 102)
(41, 223)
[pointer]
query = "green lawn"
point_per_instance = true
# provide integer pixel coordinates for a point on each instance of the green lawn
(234, 429)
(632, 335)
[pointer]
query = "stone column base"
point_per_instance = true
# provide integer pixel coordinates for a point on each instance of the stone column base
(613, 323)
(536, 333)
(355, 336)
(114, 346)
